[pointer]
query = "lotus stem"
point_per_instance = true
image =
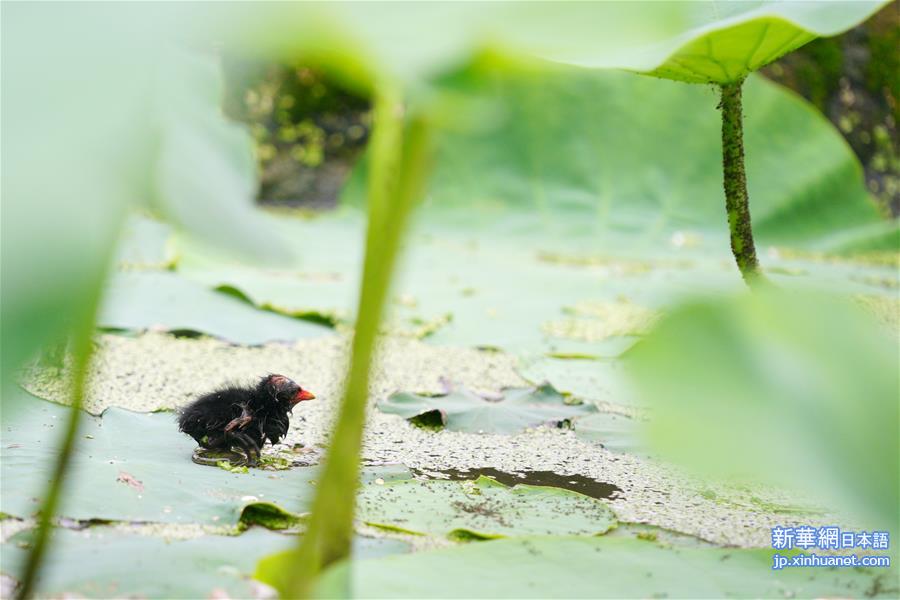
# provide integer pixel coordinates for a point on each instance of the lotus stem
(737, 200)
(81, 356)
(398, 157)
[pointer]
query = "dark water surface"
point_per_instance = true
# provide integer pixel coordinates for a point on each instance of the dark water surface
(576, 483)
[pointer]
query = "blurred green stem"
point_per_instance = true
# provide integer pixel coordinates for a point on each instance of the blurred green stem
(81, 355)
(737, 200)
(398, 165)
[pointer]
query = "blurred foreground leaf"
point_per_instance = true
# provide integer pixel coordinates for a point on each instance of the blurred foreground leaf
(699, 42)
(789, 387)
(108, 111)
(413, 42)
(205, 173)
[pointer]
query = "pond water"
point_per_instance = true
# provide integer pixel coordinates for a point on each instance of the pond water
(594, 488)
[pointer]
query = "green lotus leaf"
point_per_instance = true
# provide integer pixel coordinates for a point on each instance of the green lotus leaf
(137, 467)
(601, 171)
(703, 42)
(615, 432)
(584, 378)
(603, 567)
(464, 410)
(481, 509)
(412, 43)
(164, 300)
(104, 562)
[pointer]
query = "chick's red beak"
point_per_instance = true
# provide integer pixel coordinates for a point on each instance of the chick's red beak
(303, 395)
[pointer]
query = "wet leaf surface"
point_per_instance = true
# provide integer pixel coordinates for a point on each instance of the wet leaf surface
(464, 410)
(599, 380)
(594, 567)
(166, 301)
(137, 467)
(103, 562)
(482, 509)
(615, 432)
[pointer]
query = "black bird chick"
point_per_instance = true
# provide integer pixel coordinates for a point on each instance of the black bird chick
(243, 416)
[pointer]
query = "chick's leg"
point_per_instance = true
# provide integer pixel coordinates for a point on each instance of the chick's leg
(216, 448)
(247, 444)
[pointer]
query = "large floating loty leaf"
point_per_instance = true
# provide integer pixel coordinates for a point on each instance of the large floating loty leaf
(136, 467)
(104, 562)
(792, 387)
(481, 509)
(493, 305)
(501, 297)
(168, 301)
(615, 432)
(603, 381)
(464, 410)
(593, 567)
